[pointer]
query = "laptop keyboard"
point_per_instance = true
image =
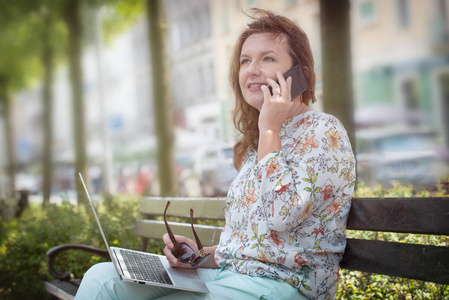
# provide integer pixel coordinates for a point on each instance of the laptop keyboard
(146, 267)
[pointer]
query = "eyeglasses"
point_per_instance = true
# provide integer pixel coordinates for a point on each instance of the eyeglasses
(183, 252)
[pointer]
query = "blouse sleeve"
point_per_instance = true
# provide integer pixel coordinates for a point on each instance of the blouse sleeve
(316, 164)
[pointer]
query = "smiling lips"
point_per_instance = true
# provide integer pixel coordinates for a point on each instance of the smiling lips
(255, 86)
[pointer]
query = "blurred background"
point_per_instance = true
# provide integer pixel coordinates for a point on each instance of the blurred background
(400, 71)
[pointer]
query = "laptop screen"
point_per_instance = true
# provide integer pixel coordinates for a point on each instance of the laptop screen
(95, 213)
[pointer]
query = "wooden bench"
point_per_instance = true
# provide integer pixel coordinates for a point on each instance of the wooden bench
(402, 215)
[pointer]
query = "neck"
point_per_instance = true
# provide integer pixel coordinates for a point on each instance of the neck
(302, 108)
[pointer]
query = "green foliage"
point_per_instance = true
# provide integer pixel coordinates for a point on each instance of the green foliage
(120, 15)
(23, 261)
(24, 242)
(397, 190)
(2, 231)
(359, 285)
(19, 62)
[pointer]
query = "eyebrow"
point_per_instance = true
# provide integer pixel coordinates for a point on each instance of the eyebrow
(262, 54)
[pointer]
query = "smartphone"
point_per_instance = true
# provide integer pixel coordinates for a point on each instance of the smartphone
(299, 82)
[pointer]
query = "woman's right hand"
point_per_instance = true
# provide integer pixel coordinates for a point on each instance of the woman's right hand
(169, 246)
(173, 261)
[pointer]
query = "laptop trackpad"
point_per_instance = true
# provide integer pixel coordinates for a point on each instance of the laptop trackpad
(187, 278)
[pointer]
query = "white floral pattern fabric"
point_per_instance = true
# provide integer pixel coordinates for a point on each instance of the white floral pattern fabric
(286, 214)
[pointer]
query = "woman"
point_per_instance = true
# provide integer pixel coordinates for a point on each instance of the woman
(288, 206)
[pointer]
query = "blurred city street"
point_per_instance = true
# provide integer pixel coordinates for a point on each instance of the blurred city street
(399, 58)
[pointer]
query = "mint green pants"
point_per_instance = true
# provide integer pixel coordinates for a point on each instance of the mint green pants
(102, 282)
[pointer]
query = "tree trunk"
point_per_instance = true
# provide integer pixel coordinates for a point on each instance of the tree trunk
(47, 97)
(5, 98)
(75, 38)
(337, 69)
(161, 102)
(107, 172)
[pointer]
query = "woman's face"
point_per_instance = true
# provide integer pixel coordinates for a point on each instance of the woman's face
(262, 55)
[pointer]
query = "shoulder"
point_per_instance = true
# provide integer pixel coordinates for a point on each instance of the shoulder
(318, 122)
(329, 126)
(327, 120)
(316, 131)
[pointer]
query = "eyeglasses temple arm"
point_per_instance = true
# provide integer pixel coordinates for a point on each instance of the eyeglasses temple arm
(170, 233)
(200, 246)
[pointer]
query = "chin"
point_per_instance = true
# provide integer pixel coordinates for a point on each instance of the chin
(256, 103)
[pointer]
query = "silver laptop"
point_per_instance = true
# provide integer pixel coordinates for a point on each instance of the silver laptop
(146, 268)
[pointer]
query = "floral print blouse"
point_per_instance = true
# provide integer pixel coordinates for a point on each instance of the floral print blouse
(286, 214)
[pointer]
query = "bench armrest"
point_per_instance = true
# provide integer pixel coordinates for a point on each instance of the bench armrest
(53, 252)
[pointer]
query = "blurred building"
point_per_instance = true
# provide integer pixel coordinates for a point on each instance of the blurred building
(192, 63)
(401, 63)
(401, 73)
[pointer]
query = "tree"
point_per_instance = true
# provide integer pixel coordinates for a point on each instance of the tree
(32, 31)
(51, 36)
(73, 21)
(107, 22)
(18, 65)
(5, 101)
(337, 69)
(161, 101)
(47, 99)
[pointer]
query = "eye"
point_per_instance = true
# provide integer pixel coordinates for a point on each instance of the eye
(244, 61)
(268, 58)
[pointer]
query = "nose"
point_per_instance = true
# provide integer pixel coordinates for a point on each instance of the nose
(253, 69)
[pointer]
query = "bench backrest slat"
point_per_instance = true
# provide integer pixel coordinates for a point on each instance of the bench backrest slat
(421, 262)
(204, 208)
(155, 229)
(405, 215)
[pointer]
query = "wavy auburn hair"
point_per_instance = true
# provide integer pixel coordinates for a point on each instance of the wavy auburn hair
(245, 116)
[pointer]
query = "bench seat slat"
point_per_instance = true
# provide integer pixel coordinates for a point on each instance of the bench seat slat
(63, 290)
(155, 229)
(405, 215)
(421, 262)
